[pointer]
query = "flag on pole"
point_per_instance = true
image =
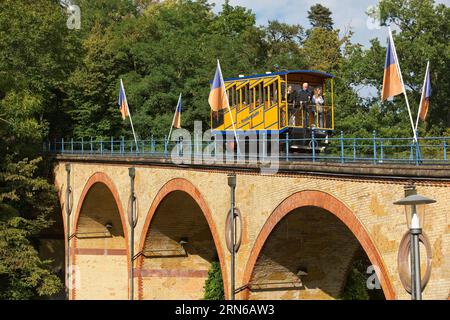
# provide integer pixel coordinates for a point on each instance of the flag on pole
(125, 110)
(218, 99)
(392, 83)
(218, 96)
(123, 104)
(177, 119)
(426, 94)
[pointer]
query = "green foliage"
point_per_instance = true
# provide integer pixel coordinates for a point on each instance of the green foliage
(33, 63)
(356, 286)
(323, 49)
(283, 46)
(320, 17)
(424, 35)
(26, 202)
(159, 54)
(214, 283)
(356, 283)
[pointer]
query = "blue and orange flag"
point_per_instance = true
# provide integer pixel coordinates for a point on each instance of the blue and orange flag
(123, 104)
(176, 123)
(392, 83)
(218, 99)
(426, 94)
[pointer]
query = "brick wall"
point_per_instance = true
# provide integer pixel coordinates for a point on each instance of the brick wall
(367, 203)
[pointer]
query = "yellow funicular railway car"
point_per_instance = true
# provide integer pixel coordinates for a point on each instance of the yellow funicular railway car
(270, 103)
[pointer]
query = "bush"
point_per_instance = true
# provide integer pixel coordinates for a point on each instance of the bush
(214, 283)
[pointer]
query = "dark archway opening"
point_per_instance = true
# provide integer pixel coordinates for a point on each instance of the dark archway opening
(101, 263)
(308, 255)
(178, 251)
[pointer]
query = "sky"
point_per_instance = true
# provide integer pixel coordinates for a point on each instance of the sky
(346, 14)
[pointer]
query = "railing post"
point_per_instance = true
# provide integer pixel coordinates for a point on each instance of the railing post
(55, 147)
(62, 145)
(165, 146)
(122, 145)
(101, 145)
(417, 150)
(381, 150)
(264, 146)
(112, 145)
(418, 153)
(71, 145)
(313, 145)
(374, 147)
(411, 152)
(287, 146)
(354, 149)
(342, 147)
(215, 146)
(82, 145)
(152, 145)
(92, 146)
(445, 150)
(180, 147)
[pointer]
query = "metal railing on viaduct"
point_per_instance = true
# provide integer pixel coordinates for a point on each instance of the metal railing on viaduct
(341, 149)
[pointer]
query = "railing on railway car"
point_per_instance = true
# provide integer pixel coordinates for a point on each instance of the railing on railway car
(297, 116)
(375, 150)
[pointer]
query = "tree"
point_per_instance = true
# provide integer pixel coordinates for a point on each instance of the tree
(34, 61)
(323, 49)
(320, 17)
(214, 283)
(36, 54)
(232, 21)
(27, 201)
(171, 48)
(283, 45)
(424, 35)
(356, 283)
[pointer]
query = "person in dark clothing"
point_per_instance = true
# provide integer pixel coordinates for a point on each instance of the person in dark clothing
(291, 99)
(304, 97)
(290, 95)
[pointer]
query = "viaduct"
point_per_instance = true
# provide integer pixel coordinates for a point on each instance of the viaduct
(300, 228)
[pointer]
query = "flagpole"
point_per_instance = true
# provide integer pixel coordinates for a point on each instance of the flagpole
(129, 114)
(403, 84)
(229, 109)
(173, 120)
(423, 93)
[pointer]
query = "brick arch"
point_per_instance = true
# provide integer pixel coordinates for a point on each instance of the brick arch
(337, 208)
(180, 184)
(99, 177)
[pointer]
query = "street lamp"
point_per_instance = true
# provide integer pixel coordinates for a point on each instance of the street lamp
(414, 205)
(232, 185)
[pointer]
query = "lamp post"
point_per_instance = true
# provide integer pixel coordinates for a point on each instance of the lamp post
(132, 221)
(414, 205)
(232, 185)
(68, 206)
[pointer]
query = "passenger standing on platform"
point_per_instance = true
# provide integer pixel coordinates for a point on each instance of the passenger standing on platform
(291, 97)
(304, 99)
(318, 101)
